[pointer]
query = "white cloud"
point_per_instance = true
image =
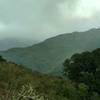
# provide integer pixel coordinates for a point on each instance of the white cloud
(81, 9)
(87, 8)
(2, 27)
(40, 19)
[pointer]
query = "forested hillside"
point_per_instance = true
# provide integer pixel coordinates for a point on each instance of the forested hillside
(84, 70)
(81, 82)
(19, 83)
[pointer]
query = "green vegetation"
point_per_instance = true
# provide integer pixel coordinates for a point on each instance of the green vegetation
(18, 82)
(84, 70)
(82, 82)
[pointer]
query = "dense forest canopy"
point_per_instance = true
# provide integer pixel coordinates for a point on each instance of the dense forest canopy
(84, 69)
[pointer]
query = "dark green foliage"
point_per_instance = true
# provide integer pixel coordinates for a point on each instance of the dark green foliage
(85, 68)
(1, 59)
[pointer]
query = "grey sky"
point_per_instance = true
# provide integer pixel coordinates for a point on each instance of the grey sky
(40, 19)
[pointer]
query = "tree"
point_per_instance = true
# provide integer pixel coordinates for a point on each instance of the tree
(84, 68)
(1, 59)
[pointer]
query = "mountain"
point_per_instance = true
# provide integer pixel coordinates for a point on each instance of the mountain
(48, 56)
(8, 43)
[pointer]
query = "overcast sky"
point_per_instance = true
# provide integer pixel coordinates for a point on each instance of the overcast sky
(40, 19)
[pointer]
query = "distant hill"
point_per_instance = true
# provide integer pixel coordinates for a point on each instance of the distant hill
(8, 43)
(48, 56)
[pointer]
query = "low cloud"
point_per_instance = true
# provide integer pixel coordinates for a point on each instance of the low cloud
(40, 19)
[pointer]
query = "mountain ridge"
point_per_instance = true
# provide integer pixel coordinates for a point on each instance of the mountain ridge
(48, 56)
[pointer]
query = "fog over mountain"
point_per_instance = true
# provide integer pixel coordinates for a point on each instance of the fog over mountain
(8, 43)
(40, 19)
(48, 56)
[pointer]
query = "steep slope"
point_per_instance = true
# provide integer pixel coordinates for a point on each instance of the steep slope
(15, 80)
(48, 56)
(20, 83)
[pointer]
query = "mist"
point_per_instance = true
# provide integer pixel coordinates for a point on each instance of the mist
(41, 19)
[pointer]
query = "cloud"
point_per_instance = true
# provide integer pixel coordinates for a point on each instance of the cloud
(40, 19)
(88, 8)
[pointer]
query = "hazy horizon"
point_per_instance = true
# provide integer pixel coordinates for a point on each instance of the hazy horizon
(41, 19)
